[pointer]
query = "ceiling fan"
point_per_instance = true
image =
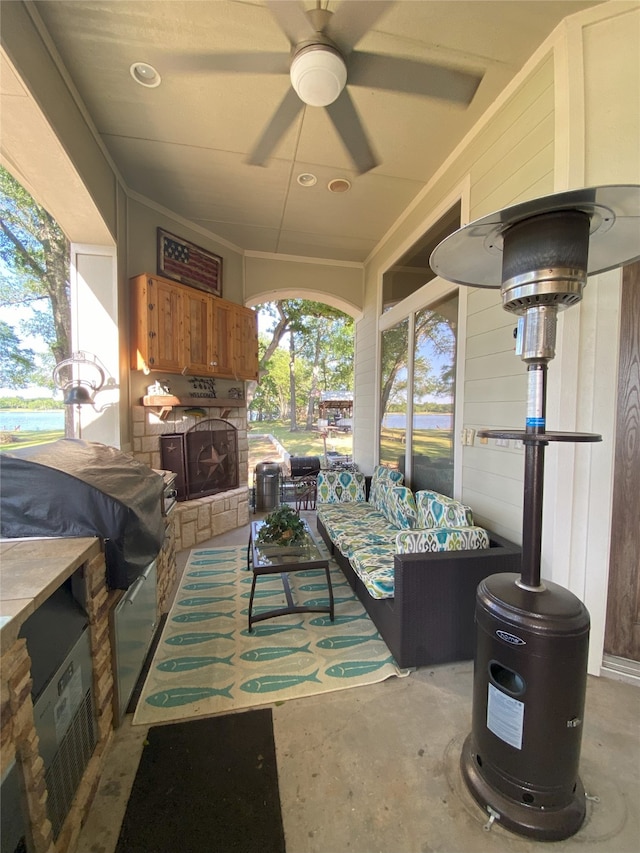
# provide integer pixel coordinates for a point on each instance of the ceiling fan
(323, 64)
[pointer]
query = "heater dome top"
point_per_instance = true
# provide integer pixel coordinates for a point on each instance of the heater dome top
(473, 254)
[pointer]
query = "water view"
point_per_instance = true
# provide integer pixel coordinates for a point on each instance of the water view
(13, 420)
(425, 421)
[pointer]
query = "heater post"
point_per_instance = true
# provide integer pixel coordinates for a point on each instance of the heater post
(521, 760)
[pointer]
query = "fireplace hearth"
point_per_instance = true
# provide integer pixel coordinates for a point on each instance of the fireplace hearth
(204, 458)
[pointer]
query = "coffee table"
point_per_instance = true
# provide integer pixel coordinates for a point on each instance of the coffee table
(276, 559)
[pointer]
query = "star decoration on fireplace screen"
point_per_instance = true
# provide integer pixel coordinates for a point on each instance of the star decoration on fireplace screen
(213, 462)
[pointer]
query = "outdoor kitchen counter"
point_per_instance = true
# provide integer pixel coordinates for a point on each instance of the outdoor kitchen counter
(30, 571)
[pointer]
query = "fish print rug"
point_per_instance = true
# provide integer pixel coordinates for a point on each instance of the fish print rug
(208, 663)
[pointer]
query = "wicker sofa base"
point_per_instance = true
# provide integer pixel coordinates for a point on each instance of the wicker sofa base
(430, 619)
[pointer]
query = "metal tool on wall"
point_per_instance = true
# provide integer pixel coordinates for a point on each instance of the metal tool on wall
(521, 759)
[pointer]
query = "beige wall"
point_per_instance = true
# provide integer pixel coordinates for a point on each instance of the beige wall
(339, 284)
(144, 218)
(571, 118)
(509, 157)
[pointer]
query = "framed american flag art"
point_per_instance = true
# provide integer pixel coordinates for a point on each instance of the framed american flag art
(189, 264)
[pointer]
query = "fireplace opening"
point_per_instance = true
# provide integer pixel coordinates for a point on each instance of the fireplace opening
(204, 458)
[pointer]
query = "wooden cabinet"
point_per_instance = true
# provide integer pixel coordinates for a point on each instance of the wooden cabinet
(246, 343)
(222, 338)
(179, 329)
(156, 325)
(196, 313)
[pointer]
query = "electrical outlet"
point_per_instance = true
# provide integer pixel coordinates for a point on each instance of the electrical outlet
(502, 442)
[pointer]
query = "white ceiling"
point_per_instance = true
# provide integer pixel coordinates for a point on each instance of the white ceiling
(185, 143)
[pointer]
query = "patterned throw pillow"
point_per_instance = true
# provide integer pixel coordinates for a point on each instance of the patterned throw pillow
(442, 539)
(400, 507)
(340, 486)
(383, 476)
(436, 510)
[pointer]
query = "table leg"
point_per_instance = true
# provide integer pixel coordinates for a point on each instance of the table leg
(253, 589)
(330, 588)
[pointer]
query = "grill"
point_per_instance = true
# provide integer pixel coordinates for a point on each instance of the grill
(73, 488)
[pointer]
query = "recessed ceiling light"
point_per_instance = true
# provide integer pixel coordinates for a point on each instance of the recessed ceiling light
(339, 185)
(306, 179)
(145, 74)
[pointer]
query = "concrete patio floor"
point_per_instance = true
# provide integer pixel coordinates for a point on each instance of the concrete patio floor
(375, 769)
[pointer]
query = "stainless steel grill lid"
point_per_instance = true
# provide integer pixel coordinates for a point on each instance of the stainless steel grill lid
(473, 255)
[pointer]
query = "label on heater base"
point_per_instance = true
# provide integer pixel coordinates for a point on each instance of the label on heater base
(505, 717)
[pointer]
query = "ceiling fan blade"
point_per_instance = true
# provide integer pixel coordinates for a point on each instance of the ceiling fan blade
(292, 19)
(353, 19)
(282, 120)
(241, 62)
(395, 74)
(347, 122)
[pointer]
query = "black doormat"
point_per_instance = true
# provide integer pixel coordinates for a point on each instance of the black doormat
(206, 786)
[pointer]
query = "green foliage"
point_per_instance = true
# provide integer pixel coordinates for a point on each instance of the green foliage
(17, 363)
(319, 358)
(34, 262)
(283, 526)
(38, 404)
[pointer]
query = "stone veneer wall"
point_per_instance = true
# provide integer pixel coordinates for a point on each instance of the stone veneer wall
(18, 737)
(201, 519)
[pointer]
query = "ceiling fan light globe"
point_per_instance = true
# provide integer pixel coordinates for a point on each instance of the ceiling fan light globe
(318, 76)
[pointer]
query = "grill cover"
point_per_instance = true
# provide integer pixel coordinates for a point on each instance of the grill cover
(75, 488)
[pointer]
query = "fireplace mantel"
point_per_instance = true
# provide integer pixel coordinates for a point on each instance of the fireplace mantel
(166, 402)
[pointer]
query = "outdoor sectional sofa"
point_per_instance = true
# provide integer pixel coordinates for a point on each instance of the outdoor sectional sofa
(414, 561)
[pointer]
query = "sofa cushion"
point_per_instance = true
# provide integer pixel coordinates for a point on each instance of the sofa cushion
(374, 566)
(436, 510)
(364, 532)
(399, 507)
(340, 487)
(463, 538)
(348, 524)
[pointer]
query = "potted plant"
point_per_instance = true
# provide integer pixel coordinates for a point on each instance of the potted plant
(282, 527)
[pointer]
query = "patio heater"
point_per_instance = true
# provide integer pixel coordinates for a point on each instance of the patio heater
(520, 761)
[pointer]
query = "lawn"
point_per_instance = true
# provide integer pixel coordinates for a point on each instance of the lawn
(28, 438)
(301, 443)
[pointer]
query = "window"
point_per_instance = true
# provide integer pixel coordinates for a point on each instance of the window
(393, 394)
(417, 396)
(434, 378)
(412, 271)
(418, 366)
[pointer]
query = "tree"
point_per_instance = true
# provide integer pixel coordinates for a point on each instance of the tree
(17, 364)
(307, 322)
(35, 254)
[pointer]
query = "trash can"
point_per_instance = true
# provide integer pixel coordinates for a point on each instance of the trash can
(267, 485)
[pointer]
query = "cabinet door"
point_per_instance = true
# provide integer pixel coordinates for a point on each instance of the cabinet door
(166, 329)
(222, 334)
(246, 343)
(156, 317)
(196, 308)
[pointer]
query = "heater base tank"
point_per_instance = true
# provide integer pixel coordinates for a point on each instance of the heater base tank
(520, 761)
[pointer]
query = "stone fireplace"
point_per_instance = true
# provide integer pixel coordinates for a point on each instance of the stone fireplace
(198, 519)
(204, 458)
